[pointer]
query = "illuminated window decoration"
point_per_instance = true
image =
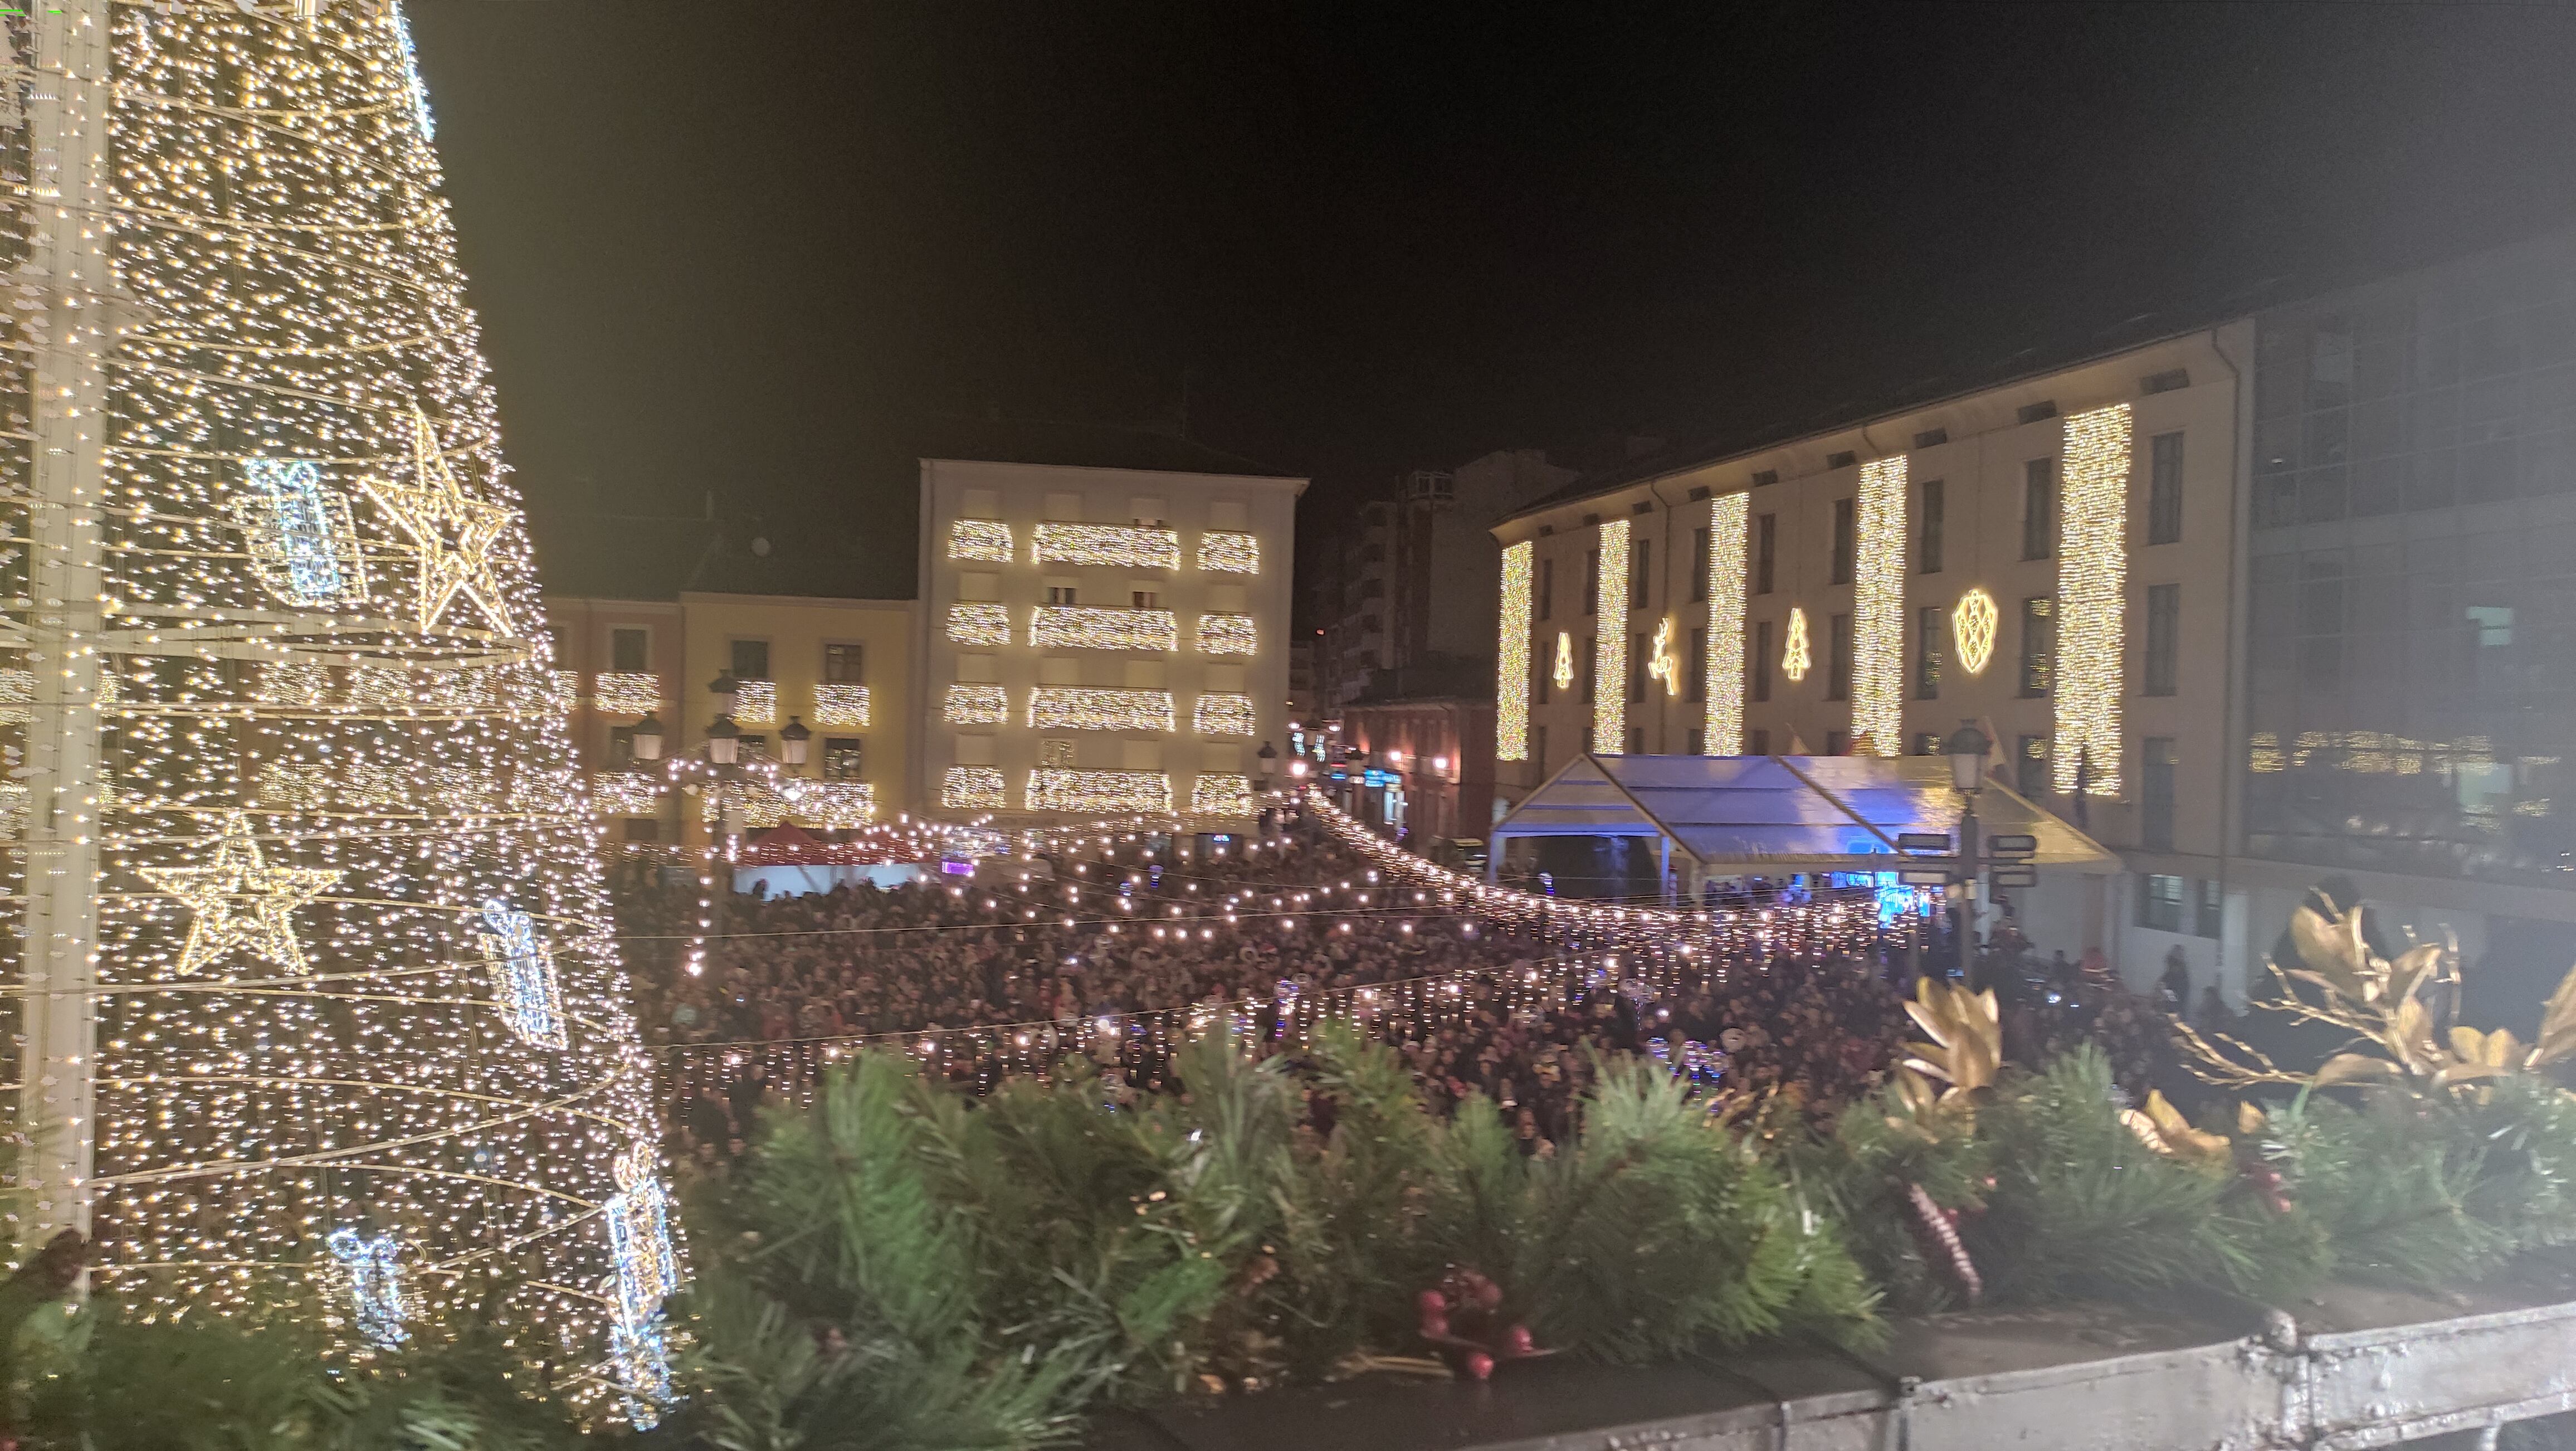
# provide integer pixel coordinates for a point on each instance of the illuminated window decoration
(1511, 657)
(1100, 627)
(1610, 644)
(1121, 544)
(971, 788)
(301, 541)
(755, 703)
(1061, 788)
(1564, 673)
(240, 902)
(452, 533)
(979, 624)
(1794, 659)
(2092, 597)
(841, 703)
(1223, 713)
(835, 805)
(1727, 522)
(372, 1270)
(1221, 793)
(975, 705)
(1660, 660)
(1226, 552)
(625, 793)
(1228, 635)
(1972, 626)
(1878, 610)
(1093, 708)
(523, 975)
(631, 693)
(985, 539)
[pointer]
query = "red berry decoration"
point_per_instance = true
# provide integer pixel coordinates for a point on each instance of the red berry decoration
(1480, 1366)
(1518, 1342)
(1435, 1327)
(1432, 1302)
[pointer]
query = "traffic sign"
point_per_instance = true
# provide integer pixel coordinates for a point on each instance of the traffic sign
(2012, 846)
(2014, 876)
(1922, 841)
(1923, 879)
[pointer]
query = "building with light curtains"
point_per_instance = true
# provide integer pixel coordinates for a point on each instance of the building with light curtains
(1102, 639)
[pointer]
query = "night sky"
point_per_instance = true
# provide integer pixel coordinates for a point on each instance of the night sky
(755, 249)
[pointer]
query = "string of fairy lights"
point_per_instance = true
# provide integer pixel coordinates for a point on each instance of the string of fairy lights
(356, 1013)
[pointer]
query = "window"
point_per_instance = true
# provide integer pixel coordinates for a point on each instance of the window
(1927, 652)
(1149, 599)
(1697, 666)
(630, 652)
(843, 758)
(845, 664)
(1056, 755)
(2212, 919)
(2039, 508)
(1640, 646)
(1841, 564)
(2156, 794)
(1838, 659)
(2164, 489)
(2030, 766)
(1699, 569)
(2164, 629)
(1546, 588)
(1591, 648)
(1927, 545)
(2160, 901)
(1638, 592)
(1766, 537)
(1063, 594)
(1927, 743)
(621, 745)
(1592, 582)
(1758, 743)
(1760, 669)
(1837, 743)
(1538, 748)
(1698, 740)
(2038, 645)
(751, 660)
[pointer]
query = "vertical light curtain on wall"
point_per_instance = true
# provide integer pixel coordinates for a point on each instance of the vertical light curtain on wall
(1512, 657)
(1610, 644)
(1878, 610)
(2092, 591)
(1726, 544)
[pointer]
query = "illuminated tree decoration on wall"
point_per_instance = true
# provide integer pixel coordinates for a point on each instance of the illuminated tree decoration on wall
(1223, 713)
(971, 788)
(1511, 657)
(1726, 543)
(259, 949)
(1225, 552)
(840, 703)
(985, 539)
(372, 1274)
(631, 693)
(523, 976)
(1221, 793)
(240, 903)
(1878, 606)
(978, 624)
(2092, 594)
(1062, 788)
(1564, 674)
(1090, 708)
(639, 1241)
(1228, 635)
(756, 703)
(1610, 644)
(1121, 544)
(1099, 627)
(1793, 655)
(975, 705)
(1972, 626)
(300, 536)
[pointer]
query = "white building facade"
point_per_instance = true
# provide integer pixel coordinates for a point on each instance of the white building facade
(1099, 641)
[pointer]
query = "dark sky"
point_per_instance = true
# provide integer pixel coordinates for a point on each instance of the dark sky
(751, 248)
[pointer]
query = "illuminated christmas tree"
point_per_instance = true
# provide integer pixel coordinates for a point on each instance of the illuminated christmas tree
(318, 1001)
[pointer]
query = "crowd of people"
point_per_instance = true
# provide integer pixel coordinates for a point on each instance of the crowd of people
(993, 975)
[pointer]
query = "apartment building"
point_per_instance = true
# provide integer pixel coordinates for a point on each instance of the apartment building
(2050, 557)
(1099, 640)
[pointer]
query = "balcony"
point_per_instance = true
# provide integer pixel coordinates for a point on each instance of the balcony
(979, 624)
(1058, 788)
(1223, 552)
(841, 703)
(982, 539)
(974, 705)
(971, 788)
(625, 793)
(626, 693)
(1086, 708)
(1097, 627)
(1228, 635)
(1224, 715)
(1119, 544)
(1221, 793)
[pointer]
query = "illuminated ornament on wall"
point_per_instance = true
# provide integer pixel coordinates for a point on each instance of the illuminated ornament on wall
(840, 703)
(1229, 553)
(1610, 644)
(1511, 657)
(373, 1271)
(451, 532)
(523, 976)
(985, 539)
(1972, 625)
(1661, 663)
(1793, 655)
(2092, 597)
(241, 902)
(1726, 540)
(1563, 675)
(971, 788)
(301, 540)
(1878, 604)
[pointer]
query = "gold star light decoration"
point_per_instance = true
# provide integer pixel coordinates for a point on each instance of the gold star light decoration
(452, 532)
(241, 902)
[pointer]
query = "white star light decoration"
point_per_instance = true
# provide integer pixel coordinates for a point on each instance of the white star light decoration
(241, 902)
(451, 531)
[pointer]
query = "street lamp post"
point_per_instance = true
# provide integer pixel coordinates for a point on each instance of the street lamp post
(1967, 749)
(1264, 762)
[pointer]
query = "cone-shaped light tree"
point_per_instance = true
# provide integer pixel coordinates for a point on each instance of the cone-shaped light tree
(316, 1003)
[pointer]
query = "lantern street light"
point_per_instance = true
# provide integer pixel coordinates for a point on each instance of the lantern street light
(726, 690)
(647, 738)
(795, 741)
